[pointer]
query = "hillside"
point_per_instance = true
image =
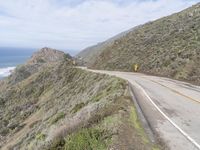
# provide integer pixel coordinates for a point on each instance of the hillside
(88, 55)
(38, 61)
(168, 47)
(48, 104)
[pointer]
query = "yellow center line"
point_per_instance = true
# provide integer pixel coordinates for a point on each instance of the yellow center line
(173, 90)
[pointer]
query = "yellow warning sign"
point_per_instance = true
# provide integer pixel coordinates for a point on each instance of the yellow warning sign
(136, 67)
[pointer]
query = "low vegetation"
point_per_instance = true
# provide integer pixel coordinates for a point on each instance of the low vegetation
(87, 139)
(62, 107)
(57, 117)
(168, 47)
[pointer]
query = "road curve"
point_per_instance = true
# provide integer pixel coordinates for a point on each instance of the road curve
(172, 108)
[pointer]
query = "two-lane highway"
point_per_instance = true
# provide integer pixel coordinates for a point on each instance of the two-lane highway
(171, 107)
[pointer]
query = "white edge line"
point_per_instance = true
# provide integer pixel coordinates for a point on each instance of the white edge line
(174, 124)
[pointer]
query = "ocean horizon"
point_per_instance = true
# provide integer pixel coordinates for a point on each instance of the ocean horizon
(10, 58)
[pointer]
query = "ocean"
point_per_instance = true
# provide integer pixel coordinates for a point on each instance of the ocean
(11, 57)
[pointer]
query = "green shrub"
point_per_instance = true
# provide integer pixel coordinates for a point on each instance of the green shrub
(86, 139)
(67, 57)
(57, 117)
(77, 107)
(40, 137)
(4, 131)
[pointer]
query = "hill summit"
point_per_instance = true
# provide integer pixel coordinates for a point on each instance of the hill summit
(41, 59)
(47, 55)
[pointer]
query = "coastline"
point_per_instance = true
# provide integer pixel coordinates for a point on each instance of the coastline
(6, 71)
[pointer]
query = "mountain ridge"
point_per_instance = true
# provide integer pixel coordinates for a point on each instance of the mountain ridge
(166, 47)
(87, 55)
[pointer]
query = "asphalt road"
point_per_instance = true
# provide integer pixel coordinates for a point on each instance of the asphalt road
(172, 108)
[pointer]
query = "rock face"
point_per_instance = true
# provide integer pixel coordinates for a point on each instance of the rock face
(169, 47)
(52, 105)
(46, 55)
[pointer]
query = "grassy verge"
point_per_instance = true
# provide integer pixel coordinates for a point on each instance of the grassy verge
(87, 139)
(137, 124)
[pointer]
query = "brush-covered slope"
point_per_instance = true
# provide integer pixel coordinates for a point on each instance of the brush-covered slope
(169, 46)
(57, 106)
(38, 61)
(88, 55)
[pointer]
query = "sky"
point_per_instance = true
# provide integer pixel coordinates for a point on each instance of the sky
(76, 24)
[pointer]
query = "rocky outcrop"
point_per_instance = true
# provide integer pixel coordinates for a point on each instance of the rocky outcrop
(47, 55)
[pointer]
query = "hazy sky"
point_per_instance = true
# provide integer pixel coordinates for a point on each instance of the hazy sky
(76, 24)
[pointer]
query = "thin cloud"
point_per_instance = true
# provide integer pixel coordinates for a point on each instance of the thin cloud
(75, 24)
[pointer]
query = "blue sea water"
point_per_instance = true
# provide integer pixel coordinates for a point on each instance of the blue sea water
(11, 57)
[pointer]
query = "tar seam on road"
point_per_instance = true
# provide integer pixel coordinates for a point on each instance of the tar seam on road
(174, 124)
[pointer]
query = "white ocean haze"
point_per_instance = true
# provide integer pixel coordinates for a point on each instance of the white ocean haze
(4, 72)
(12, 57)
